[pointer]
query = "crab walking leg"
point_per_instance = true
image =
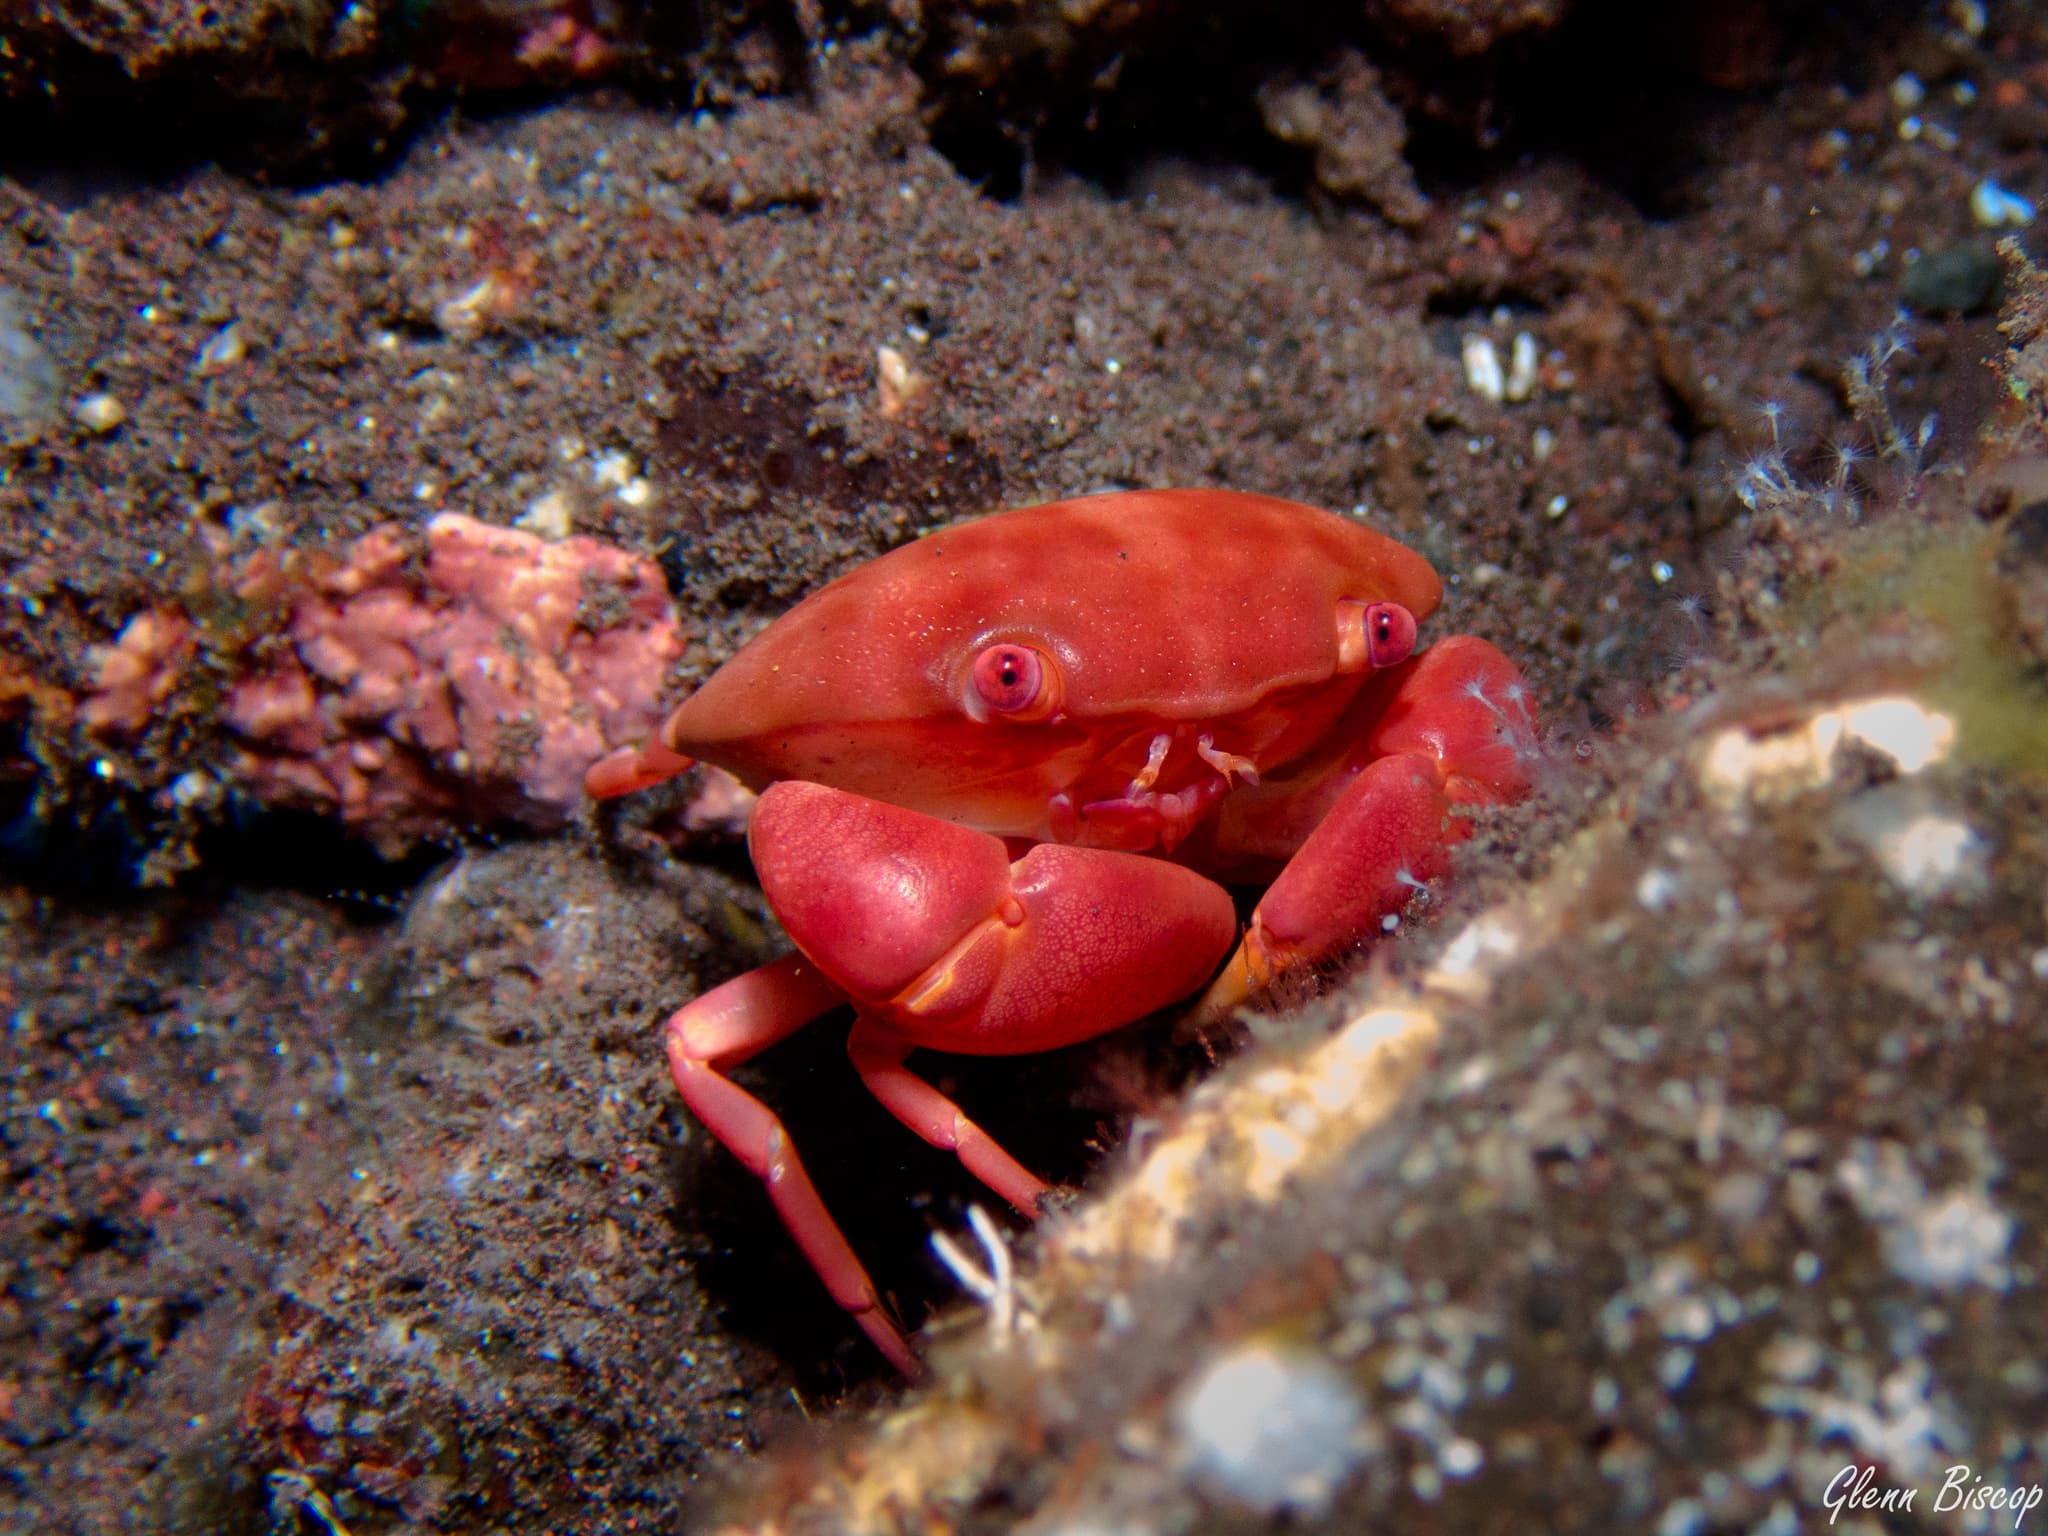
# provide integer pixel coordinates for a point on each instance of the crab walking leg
(1456, 731)
(724, 1027)
(878, 1057)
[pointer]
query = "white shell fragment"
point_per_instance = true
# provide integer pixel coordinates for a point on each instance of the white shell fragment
(1486, 378)
(1483, 374)
(225, 348)
(1521, 382)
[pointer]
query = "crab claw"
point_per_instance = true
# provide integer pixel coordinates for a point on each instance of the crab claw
(1455, 731)
(943, 942)
(628, 770)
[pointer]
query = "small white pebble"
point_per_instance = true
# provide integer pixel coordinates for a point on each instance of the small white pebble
(1994, 207)
(1928, 853)
(1690, 1319)
(1656, 889)
(1793, 1358)
(225, 348)
(1924, 849)
(552, 516)
(463, 315)
(99, 414)
(1950, 1241)
(1460, 1458)
(193, 788)
(1275, 1430)
(1674, 1368)
(612, 469)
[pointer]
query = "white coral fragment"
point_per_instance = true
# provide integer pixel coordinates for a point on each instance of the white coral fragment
(1737, 764)
(898, 386)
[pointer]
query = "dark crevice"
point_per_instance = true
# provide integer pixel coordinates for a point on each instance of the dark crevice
(75, 123)
(1181, 86)
(1687, 421)
(98, 852)
(1638, 95)
(264, 849)
(1055, 1111)
(1477, 300)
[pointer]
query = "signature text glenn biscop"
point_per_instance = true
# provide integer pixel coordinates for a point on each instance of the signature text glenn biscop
(1856, 1489)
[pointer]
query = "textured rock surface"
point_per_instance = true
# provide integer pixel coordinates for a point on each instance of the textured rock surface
(410, 692)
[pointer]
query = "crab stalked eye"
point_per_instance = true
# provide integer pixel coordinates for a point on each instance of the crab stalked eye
(1389, 634)
(1009, 678)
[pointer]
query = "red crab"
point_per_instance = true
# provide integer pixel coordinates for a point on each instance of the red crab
(1004, 767)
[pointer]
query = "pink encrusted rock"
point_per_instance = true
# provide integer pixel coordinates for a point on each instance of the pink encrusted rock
(479, 688)
(722, 805)
(415, 694)
(137, 673)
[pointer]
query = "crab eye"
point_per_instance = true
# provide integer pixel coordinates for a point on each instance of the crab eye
(1008, 678)
(1389, 634)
